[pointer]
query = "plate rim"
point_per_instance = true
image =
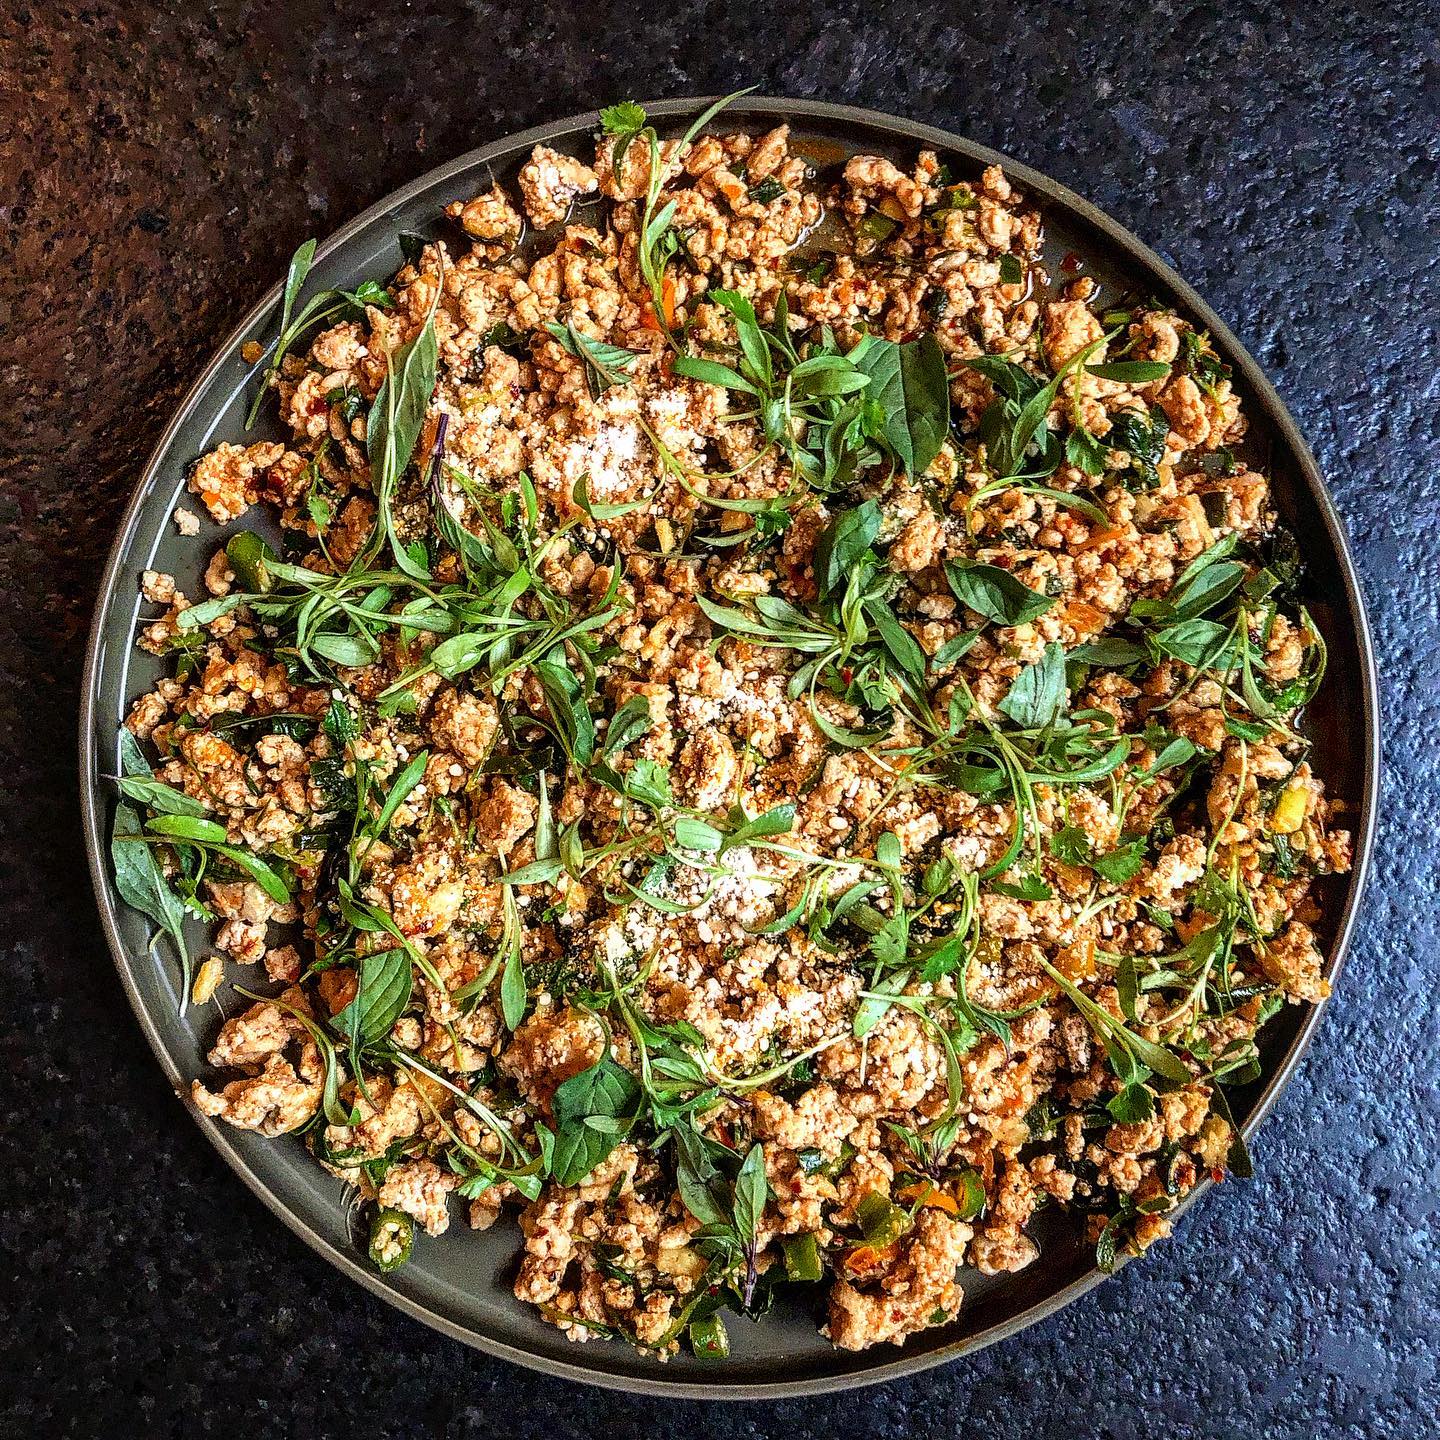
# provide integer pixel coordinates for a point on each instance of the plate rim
(1051, 192)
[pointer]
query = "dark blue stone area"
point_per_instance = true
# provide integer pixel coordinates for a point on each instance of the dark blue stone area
(159, 164)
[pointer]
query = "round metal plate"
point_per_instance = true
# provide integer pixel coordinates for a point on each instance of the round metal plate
(460, 1284)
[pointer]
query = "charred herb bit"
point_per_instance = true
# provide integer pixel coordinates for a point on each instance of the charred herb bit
(1107, 1247)
(505, 337)
(958, 197)
(1200, 362)
(766, 191)
(1142, 438)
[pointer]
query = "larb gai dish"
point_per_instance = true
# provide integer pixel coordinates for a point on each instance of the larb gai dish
(750, 731)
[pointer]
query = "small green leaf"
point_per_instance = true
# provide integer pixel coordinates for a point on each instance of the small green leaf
(1085, 452)
(843, 543)
(1131, 372)
(627, 724)
(143, 886)
(352, 651)
(779, 820)
(751, 1194)
(698, 1178)
(1133, 1104)
(1199, 643)
(1122, 864)
(694, 834)
(1110, 652)
(995, 593)
(250, 558)
(592, 1112)
(382, 992)
(187, 827)
(910, 383)
(159, 796)
(400, 789)
(605, 364)
(624, 118)
(258, 871)
(712, 372)
(1037, 696)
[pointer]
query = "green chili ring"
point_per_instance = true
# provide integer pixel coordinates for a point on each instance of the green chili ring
(392, 1237)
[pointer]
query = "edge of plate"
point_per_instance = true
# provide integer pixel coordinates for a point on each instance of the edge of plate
(769, 106)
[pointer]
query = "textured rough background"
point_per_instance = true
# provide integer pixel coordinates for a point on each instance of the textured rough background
(158, 163)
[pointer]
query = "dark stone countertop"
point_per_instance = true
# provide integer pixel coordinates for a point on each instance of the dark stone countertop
(159, 164)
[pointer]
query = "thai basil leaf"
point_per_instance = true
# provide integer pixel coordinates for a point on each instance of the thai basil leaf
(142, 884)
(1111, 652)
(605, 364)
(404, 783)
(1199, 643)
(593, 1112)
(843, 543)
(995, 593)
(627, 724)
(698, 1178)
(382, 992)
(158, 795)
(910, 383)
(751, 1193)
(1037, 696)
(393, 428)
(565, 696)
(1131, 372)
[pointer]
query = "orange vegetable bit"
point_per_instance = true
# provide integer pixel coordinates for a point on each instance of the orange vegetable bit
(667, 298)
(928, 1197)
(864, 1258)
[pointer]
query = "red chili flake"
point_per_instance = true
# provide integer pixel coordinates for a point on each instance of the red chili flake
(1217, 1174)
(1071, 263)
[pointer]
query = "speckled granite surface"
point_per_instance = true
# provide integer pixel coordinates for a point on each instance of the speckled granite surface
(158, 163)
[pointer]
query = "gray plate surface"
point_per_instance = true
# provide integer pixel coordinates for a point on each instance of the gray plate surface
(460, 1284)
